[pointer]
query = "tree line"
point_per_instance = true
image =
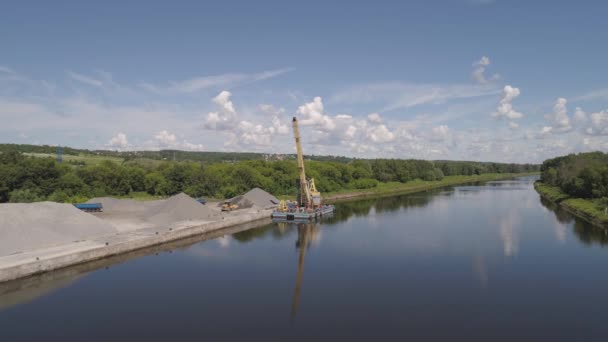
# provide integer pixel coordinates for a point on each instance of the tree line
(28, 179)
(583, 175)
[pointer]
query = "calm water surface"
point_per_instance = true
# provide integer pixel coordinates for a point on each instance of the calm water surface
(481, 262)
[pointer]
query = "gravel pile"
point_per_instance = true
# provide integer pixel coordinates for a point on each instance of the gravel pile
(256, 197)
(29, 226)
(177, 208)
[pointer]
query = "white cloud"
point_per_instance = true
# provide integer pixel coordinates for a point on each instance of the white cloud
(399, 95)
(219, 81)
(513, 125)
(166, 139)
(480, 69)
(598, 94)
(119, 141)
(278, 126)
(374, 117)
(380, 134)
(225, 118)
(313, 114)
(85, 79)
(505, 108)
(245, 133)
(598, 123)
(580, 116)
(559, 118)
(440, 133)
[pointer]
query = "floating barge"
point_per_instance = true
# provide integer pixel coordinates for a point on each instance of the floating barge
(301, 214)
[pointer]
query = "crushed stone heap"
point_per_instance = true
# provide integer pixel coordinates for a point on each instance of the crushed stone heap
(29, 226)
(180, 207)
(256, 197)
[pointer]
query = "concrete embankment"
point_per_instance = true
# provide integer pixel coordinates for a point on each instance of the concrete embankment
(40, 237)
(25, 289)
(46, 259)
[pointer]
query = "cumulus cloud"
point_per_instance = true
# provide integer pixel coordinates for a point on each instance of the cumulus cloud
(119, 141)
(580, 116)
(559, 118)
(276, 114)
(374, 117)
(598, 123)
(245, 133)
(225, 117)
(505, 107)
(369, 135)
(380, 134)
(480, 69)
(166, 139)
(313, 114)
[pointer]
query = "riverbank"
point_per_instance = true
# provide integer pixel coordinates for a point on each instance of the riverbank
(397, 188)
(583, 208)
(29, 263)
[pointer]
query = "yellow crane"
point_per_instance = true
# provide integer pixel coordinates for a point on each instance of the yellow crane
(308, 195)
(304, 197)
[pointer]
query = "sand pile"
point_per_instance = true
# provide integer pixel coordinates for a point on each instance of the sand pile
(177, 208)
(29, 226)
(256, 197)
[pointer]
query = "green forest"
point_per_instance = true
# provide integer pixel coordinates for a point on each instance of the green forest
(583, 175)
(26, 178)
(578, 182)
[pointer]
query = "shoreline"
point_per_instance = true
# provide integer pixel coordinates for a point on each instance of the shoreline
(32, 263)
(41, 261)
(578, 207)
(408, 188)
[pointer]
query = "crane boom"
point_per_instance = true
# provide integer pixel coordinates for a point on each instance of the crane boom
(303, 193)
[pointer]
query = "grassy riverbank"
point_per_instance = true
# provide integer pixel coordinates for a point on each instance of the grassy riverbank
(590, 210)
(396, 188)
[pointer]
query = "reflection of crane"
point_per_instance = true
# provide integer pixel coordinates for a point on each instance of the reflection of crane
(307, 232)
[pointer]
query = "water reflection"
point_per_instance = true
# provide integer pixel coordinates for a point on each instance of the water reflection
(307, 233)
(586, 232)
(365, 207)
(509, 232)
(435, 265)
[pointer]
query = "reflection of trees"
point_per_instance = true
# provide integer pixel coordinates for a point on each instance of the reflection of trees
(586, 232)
(589, 234)
(344, 210)
(362, 207)
(561, 215)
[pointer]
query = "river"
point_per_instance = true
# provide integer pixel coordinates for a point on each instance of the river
(475, 262)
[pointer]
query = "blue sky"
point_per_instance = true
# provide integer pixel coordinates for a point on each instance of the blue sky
(500, 80)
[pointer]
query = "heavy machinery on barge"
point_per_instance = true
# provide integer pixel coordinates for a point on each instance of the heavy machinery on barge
(308, 205)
